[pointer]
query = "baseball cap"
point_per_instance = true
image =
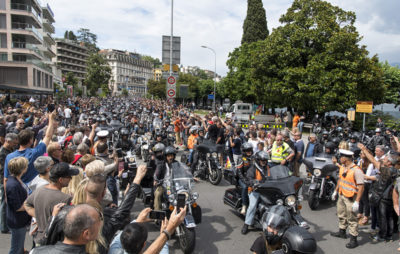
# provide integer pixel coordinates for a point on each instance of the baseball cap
(63, 169)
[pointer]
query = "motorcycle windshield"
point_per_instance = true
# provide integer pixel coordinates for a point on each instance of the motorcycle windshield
(181, 176)
(157, 123)
(321, 161)
(279, 172)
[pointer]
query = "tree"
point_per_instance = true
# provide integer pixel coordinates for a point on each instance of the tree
(89, 39)
(313, 62)
(157, 88)
(124, 92)
(255, 25)
(71, 80)
(98, 73)
(70, 35)
(155, 61)
(391, 77)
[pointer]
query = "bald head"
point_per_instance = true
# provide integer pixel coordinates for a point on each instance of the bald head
(82, 224)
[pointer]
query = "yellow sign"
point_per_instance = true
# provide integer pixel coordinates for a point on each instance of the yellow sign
(364, 106)
(175, 68)
(351, 115)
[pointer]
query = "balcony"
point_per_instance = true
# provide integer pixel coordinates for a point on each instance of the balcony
(27, 29)
(48, 26)
(26, 48)
(27, 8)
(47, 37)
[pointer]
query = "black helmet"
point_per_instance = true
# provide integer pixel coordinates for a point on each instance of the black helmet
(124, 132)
(170, 150)
(158, 134)
(262, 156)
(247, 147)
(325, 132)
(332, 146)
(159, 147)
(354, 136)
(336, 140)
(277, 218)
(200, 129)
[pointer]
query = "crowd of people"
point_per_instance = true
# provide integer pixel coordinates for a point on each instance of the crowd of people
(59, 175)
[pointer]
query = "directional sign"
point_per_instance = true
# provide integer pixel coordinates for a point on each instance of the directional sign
(364, 106)
(171, 80)
(211, 96)
(171, 93)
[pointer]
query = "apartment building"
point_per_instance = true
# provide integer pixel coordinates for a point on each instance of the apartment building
(25, 47)
(71, 56)
(157, 74)
(129, 71)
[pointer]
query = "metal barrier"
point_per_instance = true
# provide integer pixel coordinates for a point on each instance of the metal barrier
(271, 125)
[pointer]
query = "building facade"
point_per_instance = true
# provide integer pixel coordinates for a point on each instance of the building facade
(129, 72)
(25, 47)
(157, 74)
(71, 56)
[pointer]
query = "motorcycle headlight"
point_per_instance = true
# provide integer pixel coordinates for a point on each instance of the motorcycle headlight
(290, 200)
(195, 195)
(214, 155)
(279, 202)
(131, 159)
(171, 198)
(317, 172)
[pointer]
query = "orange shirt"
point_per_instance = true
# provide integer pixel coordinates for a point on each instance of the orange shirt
(296, 120)
(177, 125)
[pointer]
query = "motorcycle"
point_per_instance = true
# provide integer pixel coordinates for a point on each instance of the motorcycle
(280, 188)
(208, 163)
(181, 182)
(323, 182)
(144, 142)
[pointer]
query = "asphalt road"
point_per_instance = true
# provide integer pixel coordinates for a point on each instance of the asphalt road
(219, 231)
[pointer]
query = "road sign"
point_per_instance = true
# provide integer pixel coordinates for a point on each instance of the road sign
(171, 80)
(364, 106)
(166, 75)
(171, 100)
(171, 93)
(351, 115)
(183, 91)
(211, 96)
(175, 68)
(166, 50)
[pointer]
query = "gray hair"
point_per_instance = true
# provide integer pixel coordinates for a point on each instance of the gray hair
(77, 220)
(11, 137)
(42, 163)
(214, 119)
(60, 130)
(285, 133)
(312, 135)
(381, 147)
(392, 158)
(82, 148)
(77, 138)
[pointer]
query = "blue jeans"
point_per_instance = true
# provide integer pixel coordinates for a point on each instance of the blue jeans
(3, 220)
(112, 187)
(17, 240)
(245, 195)
(190, 156)
(251, 211)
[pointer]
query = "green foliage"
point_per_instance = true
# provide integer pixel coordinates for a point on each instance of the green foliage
(98, 73)
(125, 92)
(391, 77)
(155, 61)
(70, 35)
(71, 80)
(89, 39)
(255, 25)
(371, 119)
(313, 62)
(157, 88)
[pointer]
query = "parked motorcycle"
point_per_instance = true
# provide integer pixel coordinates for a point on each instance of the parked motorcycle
(181, 184)
(280, 188)
(323, 179)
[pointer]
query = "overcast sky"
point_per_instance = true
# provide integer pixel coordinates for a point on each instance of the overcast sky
(137, 25)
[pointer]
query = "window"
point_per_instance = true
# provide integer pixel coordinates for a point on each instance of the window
(3, 57)
(38, 78)
(51, 82)
(2, 4)
(13, 76)
(34, 77)
(3, 40)
(3, 21)
(46, 80)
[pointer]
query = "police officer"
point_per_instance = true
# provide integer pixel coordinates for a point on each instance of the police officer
(257, 173)
(350, 189)
(243, 166)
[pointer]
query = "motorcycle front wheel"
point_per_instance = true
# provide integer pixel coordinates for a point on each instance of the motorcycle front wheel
(215, 176)
(187, 239)
(313, 200)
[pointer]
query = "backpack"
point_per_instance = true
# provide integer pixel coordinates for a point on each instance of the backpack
(379, 189)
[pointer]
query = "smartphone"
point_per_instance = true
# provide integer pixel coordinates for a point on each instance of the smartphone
(181, 201)
(119, 152)
(157, 215)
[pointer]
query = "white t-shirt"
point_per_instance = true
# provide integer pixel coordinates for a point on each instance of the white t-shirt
(67, 113)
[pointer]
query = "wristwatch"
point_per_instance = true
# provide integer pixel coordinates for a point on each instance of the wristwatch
(167, 234)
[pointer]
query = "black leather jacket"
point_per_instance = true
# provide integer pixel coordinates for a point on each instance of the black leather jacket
(114, 219)
(60, 248)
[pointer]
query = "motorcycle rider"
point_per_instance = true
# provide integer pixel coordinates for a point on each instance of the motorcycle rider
(353, 145)
(376, 140)
(257, 173)
(350, 189)
(141, 129)
(199, 140)
(190, 142)
(243, 166)
(124, 142)
(324, 138)
(162, 173)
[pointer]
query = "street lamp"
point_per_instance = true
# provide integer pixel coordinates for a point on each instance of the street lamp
(215, 71)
